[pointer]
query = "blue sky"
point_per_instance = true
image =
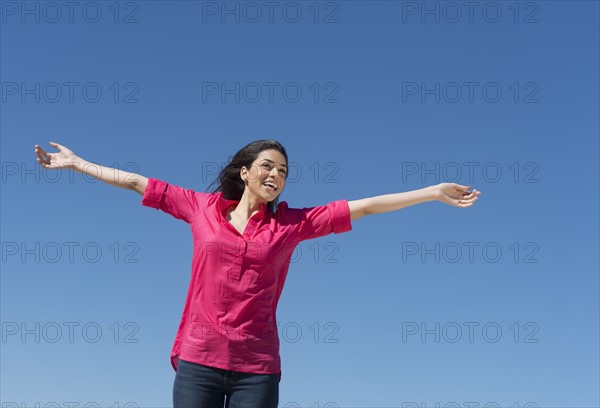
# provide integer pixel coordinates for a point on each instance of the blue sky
(496, 305)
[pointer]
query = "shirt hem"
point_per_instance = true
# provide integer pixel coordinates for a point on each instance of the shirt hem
(219, 366)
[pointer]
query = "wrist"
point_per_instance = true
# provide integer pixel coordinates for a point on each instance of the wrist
(431, 193)
(78, 164)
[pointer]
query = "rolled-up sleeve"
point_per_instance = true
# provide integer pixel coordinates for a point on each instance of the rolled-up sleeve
(315, 222)
(179, 202)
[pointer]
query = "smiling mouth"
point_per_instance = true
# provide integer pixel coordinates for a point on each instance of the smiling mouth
(270, 186)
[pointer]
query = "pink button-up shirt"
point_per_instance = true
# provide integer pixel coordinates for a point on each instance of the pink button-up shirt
(229, 317)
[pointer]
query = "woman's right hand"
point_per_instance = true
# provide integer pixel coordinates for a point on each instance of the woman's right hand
(64, 159)
(454, 194)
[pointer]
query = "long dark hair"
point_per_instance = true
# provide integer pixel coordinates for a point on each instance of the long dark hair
(229, 181)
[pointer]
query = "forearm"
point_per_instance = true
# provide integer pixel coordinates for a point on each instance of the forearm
(396, 201)
(109, 175)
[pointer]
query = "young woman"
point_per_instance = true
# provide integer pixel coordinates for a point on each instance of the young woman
(226, 349)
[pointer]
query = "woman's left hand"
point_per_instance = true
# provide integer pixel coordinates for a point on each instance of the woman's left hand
(454, 194)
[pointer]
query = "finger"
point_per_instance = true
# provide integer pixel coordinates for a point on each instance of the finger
(58, 146)
(449, 200)
(43, 161)
(39, 156)
(43, 155)
(469, 198)
(468, 203)
(461, 187)
(38, 149)
(461, 202)
(474, 193)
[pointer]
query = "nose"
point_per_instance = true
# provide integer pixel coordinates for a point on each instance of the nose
(273, 174)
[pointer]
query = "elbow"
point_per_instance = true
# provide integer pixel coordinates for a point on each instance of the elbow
(358, 208)
(138, 184)
(356, 215)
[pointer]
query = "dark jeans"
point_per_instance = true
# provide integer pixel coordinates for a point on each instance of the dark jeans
(200, 386)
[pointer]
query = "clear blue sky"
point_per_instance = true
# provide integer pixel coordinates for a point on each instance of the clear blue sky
(369, 98)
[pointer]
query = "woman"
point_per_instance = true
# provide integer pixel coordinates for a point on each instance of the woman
(227, 349)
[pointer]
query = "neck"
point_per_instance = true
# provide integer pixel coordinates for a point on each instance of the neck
(248, 206)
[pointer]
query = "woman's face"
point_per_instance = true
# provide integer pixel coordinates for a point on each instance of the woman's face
(269, 168)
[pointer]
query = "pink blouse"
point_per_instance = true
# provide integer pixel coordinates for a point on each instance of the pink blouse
(229, 317)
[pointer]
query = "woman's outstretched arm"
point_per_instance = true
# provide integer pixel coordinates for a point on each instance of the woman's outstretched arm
(450, 193)
(66, 159)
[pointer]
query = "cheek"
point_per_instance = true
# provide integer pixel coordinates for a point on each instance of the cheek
(257, 176)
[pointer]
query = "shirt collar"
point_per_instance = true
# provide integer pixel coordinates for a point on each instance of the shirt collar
(225, 203)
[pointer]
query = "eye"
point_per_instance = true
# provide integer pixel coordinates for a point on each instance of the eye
(266, 165)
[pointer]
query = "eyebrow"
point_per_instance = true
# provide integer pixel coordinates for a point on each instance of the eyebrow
(271, 161)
